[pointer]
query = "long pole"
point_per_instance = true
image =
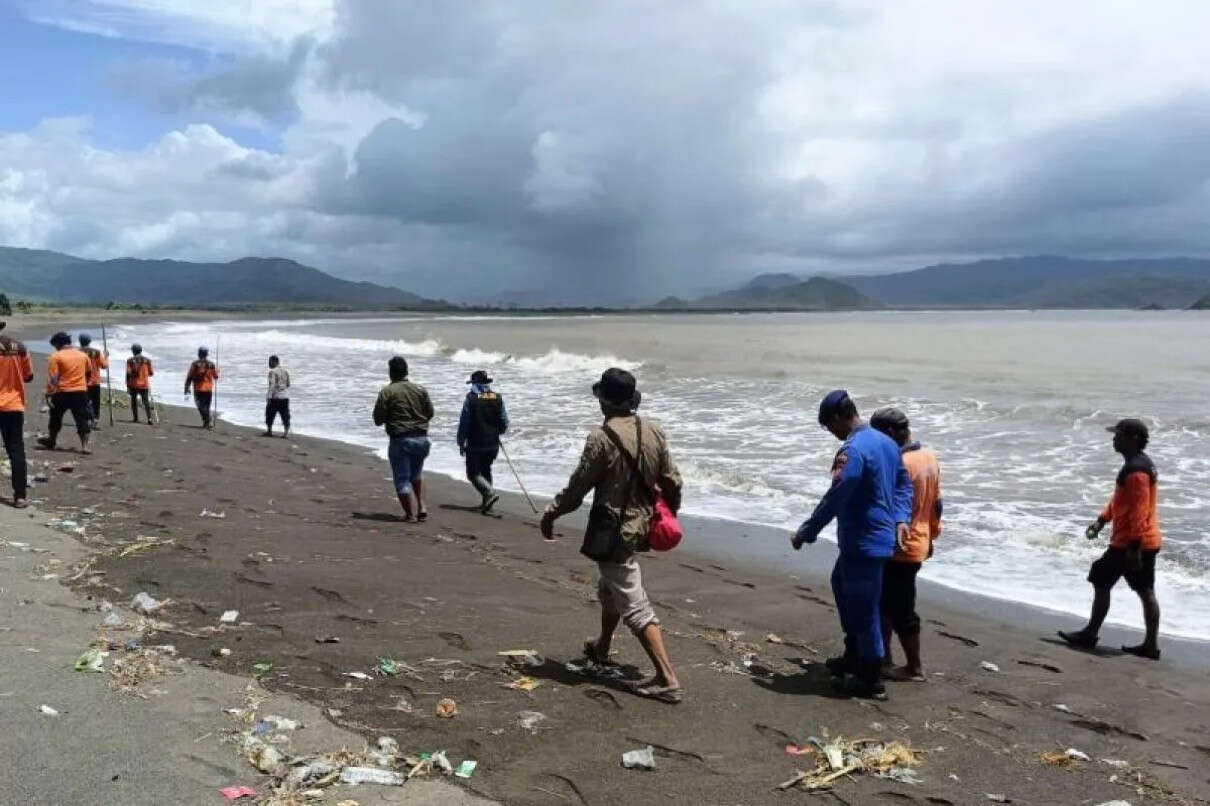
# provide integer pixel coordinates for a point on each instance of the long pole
(214, 414)
(517, 476)
(108, 376)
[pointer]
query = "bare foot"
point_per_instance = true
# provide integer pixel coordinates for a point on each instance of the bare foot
(905, 675)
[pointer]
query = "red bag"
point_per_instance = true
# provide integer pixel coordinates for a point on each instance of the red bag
(665, 532)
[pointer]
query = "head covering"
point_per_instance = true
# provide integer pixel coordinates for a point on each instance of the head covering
(887, 418)
(831, 404)
(202, 352)
(60, 339)
(1131, 426)
(480, 378)
(136, 348)
(84, 339)
(617, 386)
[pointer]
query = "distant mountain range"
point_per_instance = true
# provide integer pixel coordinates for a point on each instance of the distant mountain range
(38, 275)
(1021, 282)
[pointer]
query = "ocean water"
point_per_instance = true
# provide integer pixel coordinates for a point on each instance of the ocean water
(1015, 403)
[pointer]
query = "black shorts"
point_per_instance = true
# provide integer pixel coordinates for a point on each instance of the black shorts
(1115, 564)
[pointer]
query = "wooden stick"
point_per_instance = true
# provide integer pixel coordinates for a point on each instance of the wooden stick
(108, 375)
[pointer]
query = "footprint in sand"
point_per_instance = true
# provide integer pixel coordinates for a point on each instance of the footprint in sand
(454, 639)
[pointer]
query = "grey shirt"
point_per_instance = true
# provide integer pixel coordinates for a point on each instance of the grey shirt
(279, 384)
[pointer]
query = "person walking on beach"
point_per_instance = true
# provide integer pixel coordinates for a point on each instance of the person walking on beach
(68, 373)
(1133, 545)
(278, 398)
(16, 370)
(201, 376)
(623, 461)
(138, 382)
(482, 422)
(871, 500)
(899, 575)
(97, 361)
(404, 409)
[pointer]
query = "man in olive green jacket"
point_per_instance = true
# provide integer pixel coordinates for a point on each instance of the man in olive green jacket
(604, 470)
(405, 410)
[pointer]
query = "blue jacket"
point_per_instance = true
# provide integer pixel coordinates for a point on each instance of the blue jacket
(871, 493)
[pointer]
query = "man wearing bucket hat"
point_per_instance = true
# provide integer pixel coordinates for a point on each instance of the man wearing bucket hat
(623, 461)
(482, 422)
(1133, 545)
(871, 500)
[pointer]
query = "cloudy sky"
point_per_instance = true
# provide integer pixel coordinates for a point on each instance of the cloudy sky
(610, 150)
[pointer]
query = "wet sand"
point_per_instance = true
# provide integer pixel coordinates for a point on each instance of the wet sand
(310, 548)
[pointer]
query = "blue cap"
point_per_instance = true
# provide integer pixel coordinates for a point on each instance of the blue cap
(84, 338)
(831, 404)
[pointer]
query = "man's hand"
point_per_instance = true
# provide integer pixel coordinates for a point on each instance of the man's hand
(1094, 529)
(901, 536)
(795, 542)
(547, 526)
(462, 450)
(801, 537)
(930, 550)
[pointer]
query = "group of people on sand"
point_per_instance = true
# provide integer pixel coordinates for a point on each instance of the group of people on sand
(885, 496)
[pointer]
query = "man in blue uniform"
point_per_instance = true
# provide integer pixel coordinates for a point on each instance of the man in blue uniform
(482, 422)
(871, 500)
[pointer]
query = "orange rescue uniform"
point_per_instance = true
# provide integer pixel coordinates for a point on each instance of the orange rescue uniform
(16, 370)
(922, 467)
(202, 375)
(97, 361)
(1132, 509)
(68, 370)
(138, 372)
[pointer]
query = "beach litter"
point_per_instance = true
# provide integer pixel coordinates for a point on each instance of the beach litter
(228, 617)
(262, 668)
(1064, 758)
(988, 666)
(358, 676)
(91, 661)
(205, 513)
(524, 657)
(447, 708)
(371, 775)
(795, 750)
(995, 798)
(439, 761)
(237, 792)
(264, 757)
(221, 652)
(529, 720)
(892, 760)
(466, 769)
(643, 759)
(524, 684)
(46, 710)
(146, 604)
(112, 619)
(327, 639)
(388, 667)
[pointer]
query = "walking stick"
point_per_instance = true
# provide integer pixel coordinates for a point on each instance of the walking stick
(108, 377)
(517, 476)
(214, 420)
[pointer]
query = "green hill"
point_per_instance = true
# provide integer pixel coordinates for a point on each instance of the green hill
(816, 294)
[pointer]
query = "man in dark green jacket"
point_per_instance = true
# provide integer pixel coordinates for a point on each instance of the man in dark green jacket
(405, 410)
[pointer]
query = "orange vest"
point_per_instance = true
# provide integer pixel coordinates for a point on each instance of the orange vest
(96, 362)
(15, 371)
(68, 370)
(922, 467)
(203, 374)
(138, 372)
(1132, 509)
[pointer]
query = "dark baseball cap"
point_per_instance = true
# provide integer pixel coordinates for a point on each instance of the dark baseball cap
(616, 386)
(1132, 426)
(889, 417)
(480, 377)
(831, 404)
(60, 339)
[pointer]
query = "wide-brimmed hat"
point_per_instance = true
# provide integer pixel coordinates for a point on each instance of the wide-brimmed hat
(480, 377)
(616, 386)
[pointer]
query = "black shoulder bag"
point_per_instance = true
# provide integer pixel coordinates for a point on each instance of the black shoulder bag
(603, 536)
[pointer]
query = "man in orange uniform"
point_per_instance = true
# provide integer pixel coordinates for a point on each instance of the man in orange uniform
(97, 361)
(899, 575)
(138, 382)
(67, 375)
(201, 376)
(1133, 545)
(15, 371)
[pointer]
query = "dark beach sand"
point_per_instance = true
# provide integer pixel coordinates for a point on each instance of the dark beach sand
(311, 547)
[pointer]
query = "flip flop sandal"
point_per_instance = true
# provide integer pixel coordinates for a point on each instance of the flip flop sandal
(669, 696)
(421, 517)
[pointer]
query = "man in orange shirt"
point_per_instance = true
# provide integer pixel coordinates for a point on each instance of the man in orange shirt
(138, 382)
(899, 575)
(201, 376)
(97, 361)
(1135, 541)
(15, 371)
(67, 375)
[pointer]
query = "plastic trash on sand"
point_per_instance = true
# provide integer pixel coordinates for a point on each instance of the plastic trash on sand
(388, 666)
(439, 761)
(228, 617)
(262, 668)
(524, 684)
(371, 775)
(262, 756)
(205, 513)
(112, 619)
(988, 666)
(447, 708)
(358, 676)
(280, 722)
(522, 657)
(639, 759)
(312, 771)
(531, 719)
(46, 710)
(91, 661)
(237, 792)
(145, 603)
(466, 769)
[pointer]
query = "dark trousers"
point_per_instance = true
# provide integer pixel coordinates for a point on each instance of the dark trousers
(479, 469)
(135, 394)
(202, 399)
(899, 597)
(857, 588)
(77, 404)
(274, 407)
(94, 401)
(12, 427)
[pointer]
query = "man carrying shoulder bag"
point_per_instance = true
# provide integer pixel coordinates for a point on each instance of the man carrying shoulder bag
(623, 462)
